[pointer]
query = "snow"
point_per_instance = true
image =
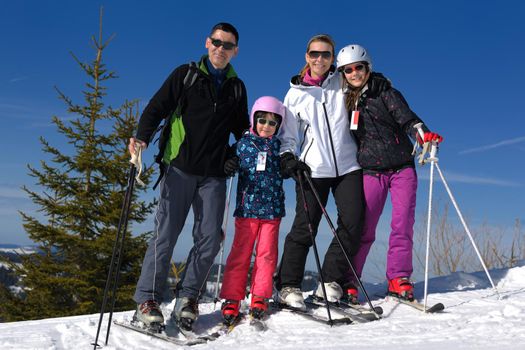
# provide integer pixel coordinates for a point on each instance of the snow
(18, 250)
(474, 318)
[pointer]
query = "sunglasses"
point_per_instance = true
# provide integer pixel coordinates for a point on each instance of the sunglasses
(226, 44)
(324, 54)
(357, 68)
(263, 121)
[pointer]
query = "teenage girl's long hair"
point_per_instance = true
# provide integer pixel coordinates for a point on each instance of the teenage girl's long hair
(351, 93)
(325, 38)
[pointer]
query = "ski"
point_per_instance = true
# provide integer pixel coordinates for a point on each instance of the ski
(358, 313)
(191, 338)
(222, 329)
(438, 307)
(162, 335)
(258, 324)
(309, 314)
(343, 304)
(361, 308)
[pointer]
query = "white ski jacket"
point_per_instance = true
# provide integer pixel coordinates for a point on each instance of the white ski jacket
(317, 128)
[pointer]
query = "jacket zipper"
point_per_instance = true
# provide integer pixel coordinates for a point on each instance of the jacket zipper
(304, 133)
(331, 139)
(308, 149)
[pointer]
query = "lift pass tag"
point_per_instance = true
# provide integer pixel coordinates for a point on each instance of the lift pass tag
(354, 121)
(261, 161)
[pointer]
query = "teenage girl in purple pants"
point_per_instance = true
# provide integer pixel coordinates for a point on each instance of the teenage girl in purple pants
(382, 122)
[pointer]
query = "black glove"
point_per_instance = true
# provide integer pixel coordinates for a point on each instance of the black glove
(377, 84)
(231, 165)
(293, 167)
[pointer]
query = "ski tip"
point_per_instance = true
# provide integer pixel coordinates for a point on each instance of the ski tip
(258, 325)
(339, 321)
(378, 310)
(436, 308)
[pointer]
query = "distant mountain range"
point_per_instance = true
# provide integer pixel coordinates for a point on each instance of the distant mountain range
(12, 253)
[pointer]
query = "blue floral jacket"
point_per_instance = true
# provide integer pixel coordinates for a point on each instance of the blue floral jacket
(260, 193)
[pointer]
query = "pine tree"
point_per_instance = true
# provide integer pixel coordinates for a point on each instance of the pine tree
(83, 188)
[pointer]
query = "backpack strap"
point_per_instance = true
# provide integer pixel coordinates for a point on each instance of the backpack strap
(189, 79)
(237, 91)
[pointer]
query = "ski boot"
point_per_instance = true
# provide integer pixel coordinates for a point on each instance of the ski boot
(292, 296)
(351, 295)
(230, 310)
(149, 316)
(186, 312)
(258, 307)
(334, 292)
(401, 287)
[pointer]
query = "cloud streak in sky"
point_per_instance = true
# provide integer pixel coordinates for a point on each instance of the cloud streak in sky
(494, 145)
(473, 180)
(17, 79)
(12, 192)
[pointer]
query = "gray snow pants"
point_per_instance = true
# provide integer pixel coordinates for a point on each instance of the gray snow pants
(178, 192)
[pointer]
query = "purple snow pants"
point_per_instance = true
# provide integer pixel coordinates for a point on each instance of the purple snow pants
(402, 186)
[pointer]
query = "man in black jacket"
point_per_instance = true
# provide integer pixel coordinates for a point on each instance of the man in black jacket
(201, 117)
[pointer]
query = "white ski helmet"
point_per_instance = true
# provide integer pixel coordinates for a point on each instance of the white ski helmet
(352, 54)
(268, 104)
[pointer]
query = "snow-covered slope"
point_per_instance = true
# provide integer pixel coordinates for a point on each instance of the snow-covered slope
(474, 318)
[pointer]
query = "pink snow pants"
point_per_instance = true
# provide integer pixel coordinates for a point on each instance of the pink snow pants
(402, 186)
(247, 232)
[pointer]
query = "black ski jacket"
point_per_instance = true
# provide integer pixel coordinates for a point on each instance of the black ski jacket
(208, 118)
(385, 123)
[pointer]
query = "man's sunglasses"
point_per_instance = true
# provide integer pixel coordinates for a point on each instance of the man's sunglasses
(226, 44)
(263, 121)
(356, 68)
(324, 54)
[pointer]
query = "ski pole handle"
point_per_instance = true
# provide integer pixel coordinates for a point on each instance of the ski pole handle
(433, 151)
(433, 146)
(419, 128)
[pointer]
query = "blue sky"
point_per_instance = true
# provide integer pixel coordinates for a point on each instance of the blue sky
(460, 65)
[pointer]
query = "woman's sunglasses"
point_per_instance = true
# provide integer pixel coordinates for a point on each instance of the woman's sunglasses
(356, 68)
(263, 121)
(324, 54)
(226, 44)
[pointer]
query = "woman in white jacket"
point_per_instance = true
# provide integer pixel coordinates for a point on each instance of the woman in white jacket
(316, 135)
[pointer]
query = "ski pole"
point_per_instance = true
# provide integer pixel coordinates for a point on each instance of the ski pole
(316, 253)
(467, 229)
(116, 257)
(433, 161)
(211, 266)
(343, 249)
(224, 226)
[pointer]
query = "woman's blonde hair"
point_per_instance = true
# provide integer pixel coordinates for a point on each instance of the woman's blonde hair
(325, 38)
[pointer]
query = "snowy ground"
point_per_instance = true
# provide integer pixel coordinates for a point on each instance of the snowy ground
(474, 318)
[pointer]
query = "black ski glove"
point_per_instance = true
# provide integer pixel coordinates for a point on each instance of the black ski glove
(377, 84)
(293, 167)
(231, 165)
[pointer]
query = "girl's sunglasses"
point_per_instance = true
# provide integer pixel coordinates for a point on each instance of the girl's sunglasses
(263, 121)
(356, 68)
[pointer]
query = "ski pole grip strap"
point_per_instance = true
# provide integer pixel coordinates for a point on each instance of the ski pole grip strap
(136, 159)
